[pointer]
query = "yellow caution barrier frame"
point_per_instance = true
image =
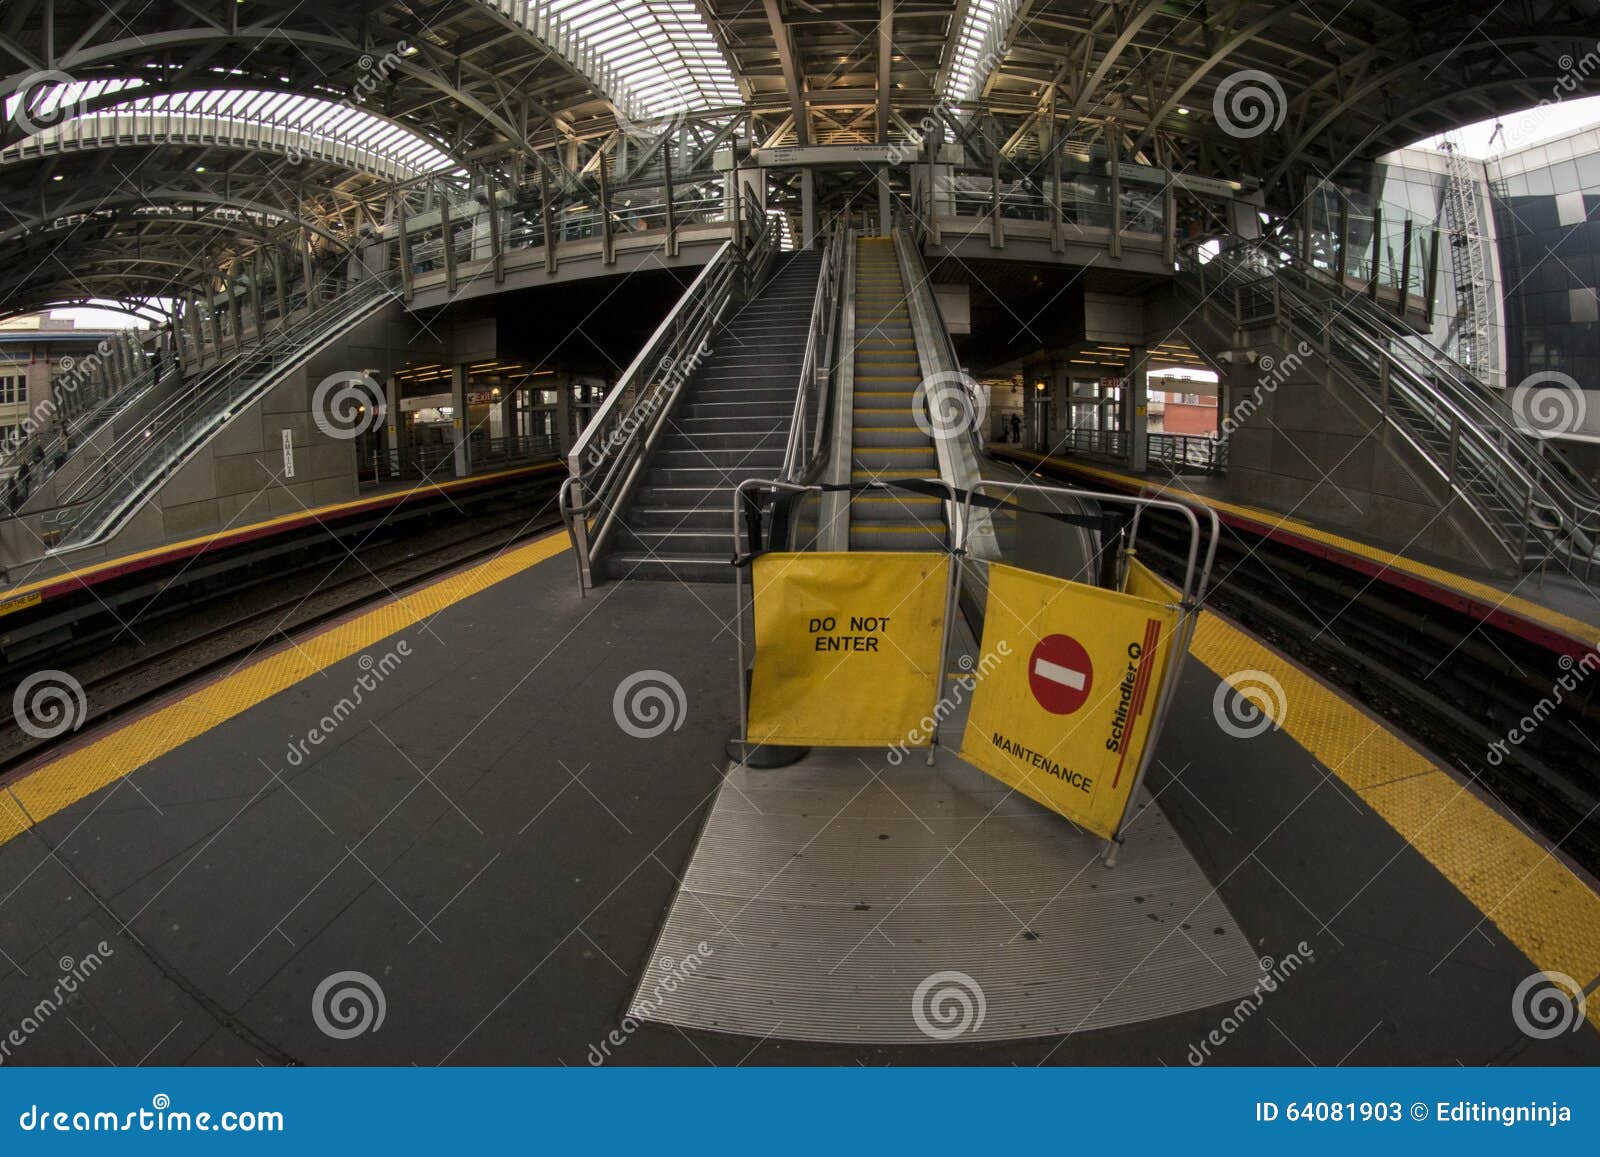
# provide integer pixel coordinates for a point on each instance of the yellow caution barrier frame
(769, 751)
(1188, 598)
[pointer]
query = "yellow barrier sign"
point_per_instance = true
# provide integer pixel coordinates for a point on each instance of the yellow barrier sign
(1064, 718)
(1146, 584)
(847, 647)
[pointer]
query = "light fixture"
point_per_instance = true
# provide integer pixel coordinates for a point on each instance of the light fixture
(1183, 112)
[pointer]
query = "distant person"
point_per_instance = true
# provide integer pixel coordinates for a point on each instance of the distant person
(1016, 430)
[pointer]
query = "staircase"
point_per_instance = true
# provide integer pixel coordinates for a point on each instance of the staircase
(731, 424)
(886, 442)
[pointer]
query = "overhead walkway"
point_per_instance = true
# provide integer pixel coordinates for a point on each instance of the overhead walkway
(512, 906)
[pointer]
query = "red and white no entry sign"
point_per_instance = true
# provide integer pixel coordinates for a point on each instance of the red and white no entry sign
(1060, 674)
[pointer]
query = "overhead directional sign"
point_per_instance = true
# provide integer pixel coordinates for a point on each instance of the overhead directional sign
(847, 648)
(1066, 715)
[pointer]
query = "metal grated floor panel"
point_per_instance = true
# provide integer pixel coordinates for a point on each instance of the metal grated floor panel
(831, 898)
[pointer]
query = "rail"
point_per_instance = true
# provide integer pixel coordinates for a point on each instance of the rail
(812, 400)
(1485, 461)
(947, 391)
(608, 455)
(1187, 453)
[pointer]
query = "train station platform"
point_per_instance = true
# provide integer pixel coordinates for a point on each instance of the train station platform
(1562, 614)
(31, 584)
(489, 802)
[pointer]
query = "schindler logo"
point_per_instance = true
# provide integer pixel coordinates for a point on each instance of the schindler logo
(1132, 693)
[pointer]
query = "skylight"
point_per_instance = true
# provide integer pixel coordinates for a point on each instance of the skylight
(313, 117)
(661, 51)
(979, 48)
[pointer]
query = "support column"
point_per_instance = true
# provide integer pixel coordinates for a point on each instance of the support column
(564, 415)
(808, 208)
(395, 420)
(1136, 408)
(1031, 375)
(1060, 401)
(459, 419)
(885, 203)
(235, 315)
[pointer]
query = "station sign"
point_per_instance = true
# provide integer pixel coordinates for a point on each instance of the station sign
(1065, 716)
(847, 647)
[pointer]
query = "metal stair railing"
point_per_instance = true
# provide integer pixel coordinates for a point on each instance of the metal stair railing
(152, 452)
(1499, 491)
(605, 462)
(807, 428)
(49, 449)
(1567, 487)
(1566, 506)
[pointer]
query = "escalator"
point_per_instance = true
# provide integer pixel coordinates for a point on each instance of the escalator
(173, 427)
(887, 442)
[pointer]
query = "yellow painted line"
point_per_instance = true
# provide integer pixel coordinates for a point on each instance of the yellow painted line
(1551, 915)
(63, 781)
(1482, 592)
(224, 537)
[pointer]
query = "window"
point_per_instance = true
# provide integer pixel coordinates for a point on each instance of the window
(13, 388)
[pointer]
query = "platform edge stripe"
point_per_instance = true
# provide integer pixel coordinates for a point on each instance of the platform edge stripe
(1548, 913)
(63, 781)
(1479, 598)
(67, 581)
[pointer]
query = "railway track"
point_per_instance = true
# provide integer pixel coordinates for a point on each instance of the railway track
(130, 676)
(1455, 685)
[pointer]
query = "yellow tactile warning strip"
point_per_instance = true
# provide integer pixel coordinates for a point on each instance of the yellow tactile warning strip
(29, 593)
(1577, 629)
(52, 786)
(1550, 914)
